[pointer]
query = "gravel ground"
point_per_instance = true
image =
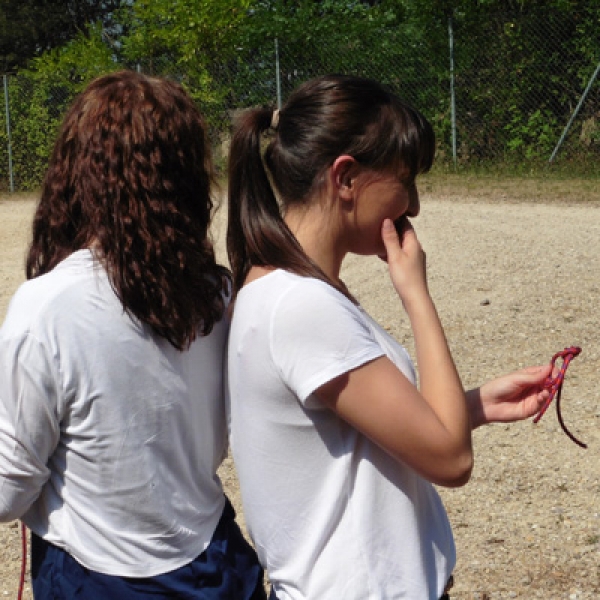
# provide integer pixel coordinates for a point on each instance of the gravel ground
(514, 270)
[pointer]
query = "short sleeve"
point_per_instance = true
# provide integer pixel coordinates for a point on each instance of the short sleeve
(318, 334)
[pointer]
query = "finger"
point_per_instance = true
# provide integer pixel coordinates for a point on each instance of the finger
(390, 238)
(406, 231)
(533, 402)
(402, 224)
(533, 375)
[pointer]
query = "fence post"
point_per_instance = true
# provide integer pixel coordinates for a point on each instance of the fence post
(579, 105)
(277, 75)
(452, 95)
(9, 142)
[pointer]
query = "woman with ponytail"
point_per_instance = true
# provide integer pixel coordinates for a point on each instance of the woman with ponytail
(335, 445)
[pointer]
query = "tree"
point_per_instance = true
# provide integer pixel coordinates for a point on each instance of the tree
(191, 29)
(520, 65)
(28, 28)
(316, 37)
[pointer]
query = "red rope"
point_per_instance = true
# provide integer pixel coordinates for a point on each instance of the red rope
(554, 385)
(23, 560)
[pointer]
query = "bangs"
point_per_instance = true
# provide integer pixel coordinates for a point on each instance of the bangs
(400, 140)
(411, 140)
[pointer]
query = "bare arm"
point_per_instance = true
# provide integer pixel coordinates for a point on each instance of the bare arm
(430, 429)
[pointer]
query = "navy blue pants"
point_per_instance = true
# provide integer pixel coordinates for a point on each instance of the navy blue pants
(227, 570)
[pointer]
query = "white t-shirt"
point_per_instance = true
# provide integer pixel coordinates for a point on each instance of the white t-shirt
(331, 514)
(109, 437)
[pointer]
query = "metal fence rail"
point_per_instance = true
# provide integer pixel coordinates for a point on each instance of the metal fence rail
(525, 101)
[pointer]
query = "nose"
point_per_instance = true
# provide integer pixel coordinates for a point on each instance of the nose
(414, 204)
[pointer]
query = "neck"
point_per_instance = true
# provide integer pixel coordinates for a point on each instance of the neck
(317, 232)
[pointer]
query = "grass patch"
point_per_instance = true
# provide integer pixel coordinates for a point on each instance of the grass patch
(496, 187)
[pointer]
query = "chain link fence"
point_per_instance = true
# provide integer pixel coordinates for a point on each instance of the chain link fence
(519, 94)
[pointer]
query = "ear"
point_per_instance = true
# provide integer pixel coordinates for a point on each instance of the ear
(342, 176)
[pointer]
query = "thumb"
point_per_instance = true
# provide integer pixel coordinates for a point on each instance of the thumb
(535, 375)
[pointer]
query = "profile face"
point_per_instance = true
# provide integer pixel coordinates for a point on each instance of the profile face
(380, 197)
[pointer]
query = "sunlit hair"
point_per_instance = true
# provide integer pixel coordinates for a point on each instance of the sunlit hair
(130, 176)
(324, 118)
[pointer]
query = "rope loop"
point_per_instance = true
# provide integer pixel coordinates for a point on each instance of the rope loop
(554, 384)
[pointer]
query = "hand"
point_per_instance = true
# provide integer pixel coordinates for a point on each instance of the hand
(405, 259)
(513, 397)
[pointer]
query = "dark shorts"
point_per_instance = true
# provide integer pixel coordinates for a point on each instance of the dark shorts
(227, 569)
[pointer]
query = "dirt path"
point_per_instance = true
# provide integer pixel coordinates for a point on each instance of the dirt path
(514, 282)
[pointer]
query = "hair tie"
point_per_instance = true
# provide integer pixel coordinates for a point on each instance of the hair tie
(275, 119)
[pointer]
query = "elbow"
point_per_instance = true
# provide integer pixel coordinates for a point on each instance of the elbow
(8, 517)
(446, 470)
(13, 502)
(458, 472)
(461, 478)
(10, 513)
(461, 474)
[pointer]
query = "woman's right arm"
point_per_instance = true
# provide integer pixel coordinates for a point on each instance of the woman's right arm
(428, 429)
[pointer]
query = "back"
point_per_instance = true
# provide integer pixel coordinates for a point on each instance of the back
(122, 415)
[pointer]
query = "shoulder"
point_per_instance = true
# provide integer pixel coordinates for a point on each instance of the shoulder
(294, 301)
(318, 306)
(310, 296)
(55, 296)
(307, 308)
(316, 334)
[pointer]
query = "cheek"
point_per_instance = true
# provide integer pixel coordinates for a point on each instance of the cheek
(405, 202)
(370, 241)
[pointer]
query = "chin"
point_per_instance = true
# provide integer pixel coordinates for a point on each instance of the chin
(378, 250)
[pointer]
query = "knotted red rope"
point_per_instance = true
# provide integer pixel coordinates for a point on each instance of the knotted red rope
(23, 561)
(554, 385)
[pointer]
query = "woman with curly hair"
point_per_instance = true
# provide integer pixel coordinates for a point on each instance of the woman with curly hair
(112, 421)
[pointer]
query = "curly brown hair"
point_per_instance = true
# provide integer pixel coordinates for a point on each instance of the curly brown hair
(130, 176)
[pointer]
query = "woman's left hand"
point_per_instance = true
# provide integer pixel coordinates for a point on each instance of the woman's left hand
(512, 397)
